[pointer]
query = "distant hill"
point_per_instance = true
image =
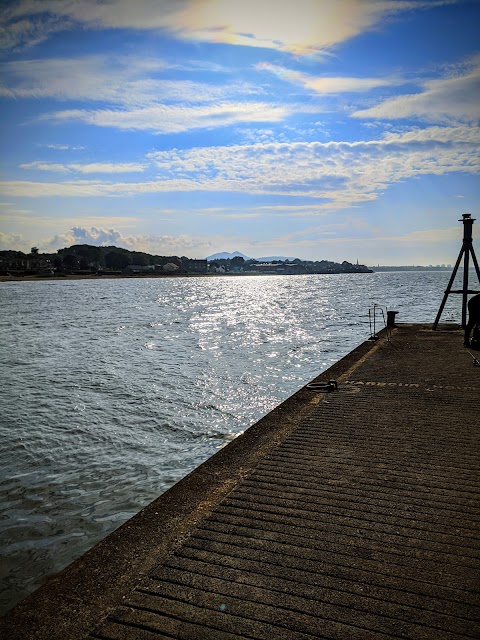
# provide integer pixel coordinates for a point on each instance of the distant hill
(225, 255)
(274, 259)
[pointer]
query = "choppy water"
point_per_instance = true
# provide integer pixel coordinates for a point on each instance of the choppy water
(112, 390)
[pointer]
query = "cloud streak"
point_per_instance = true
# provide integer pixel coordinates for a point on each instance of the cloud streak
(454, 98)
(337, 174)
(174, 118)
(93, 167)
(117, 80)
(327, 85)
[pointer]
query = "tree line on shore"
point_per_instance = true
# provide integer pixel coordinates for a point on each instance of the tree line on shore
(86, 258)
(82, 258)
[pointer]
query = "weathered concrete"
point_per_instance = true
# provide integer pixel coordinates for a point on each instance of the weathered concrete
(346, 515)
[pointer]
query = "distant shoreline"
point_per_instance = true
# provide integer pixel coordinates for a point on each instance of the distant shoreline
(38, 278)
(93, 276)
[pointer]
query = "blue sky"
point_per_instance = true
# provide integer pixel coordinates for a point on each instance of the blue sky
(322, 129)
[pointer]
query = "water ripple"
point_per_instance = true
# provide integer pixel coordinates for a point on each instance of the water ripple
(112, 390)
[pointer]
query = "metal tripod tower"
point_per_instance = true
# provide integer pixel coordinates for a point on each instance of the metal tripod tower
(465, 252)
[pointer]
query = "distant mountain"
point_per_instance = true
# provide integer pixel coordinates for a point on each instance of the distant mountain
(224, 255)
(274, 259)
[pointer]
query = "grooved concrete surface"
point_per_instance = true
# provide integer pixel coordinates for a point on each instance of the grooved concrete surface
(362, 522)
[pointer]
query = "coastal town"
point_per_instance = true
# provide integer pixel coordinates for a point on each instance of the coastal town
(92, 261)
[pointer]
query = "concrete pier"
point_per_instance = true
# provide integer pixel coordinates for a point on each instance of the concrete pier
(350, 515)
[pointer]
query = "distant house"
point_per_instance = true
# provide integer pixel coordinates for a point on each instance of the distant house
(196, 266)
(171, 267)
(270, 267)
(20, 264)
(139, 268)
(213, 268)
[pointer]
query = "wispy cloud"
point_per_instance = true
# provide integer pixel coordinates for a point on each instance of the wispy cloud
(369, 244)
(94, 167)
(340, 173)
(302, 27)
(9, 211)
(19, 29)
(342, 231)
(115, 80)
(337, 174)
(327, 85)
(62, 147)
(138, 97)
(174, 118)
(447, 99)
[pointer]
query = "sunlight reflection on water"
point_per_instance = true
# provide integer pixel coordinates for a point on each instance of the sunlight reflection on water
(118, 388)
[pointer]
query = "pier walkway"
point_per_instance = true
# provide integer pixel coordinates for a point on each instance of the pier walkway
(348, 515)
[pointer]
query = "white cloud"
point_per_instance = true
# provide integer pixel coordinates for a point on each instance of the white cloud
(108, 167)
(257, 135)
(9, 240)
(340, 173)
(116, 80)
(81, 235)
(45, 166)
(120, 80)
(455, 98)
(337, 174)
(174, 118)
(436, 135)
(94, 167)
(300, 27)
(62, 147)
(19, 29)
(327, 85)
(159, 245)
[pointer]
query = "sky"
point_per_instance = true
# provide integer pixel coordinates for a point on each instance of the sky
(317, 129)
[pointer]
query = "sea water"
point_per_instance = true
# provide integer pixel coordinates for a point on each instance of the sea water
(113, 390)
